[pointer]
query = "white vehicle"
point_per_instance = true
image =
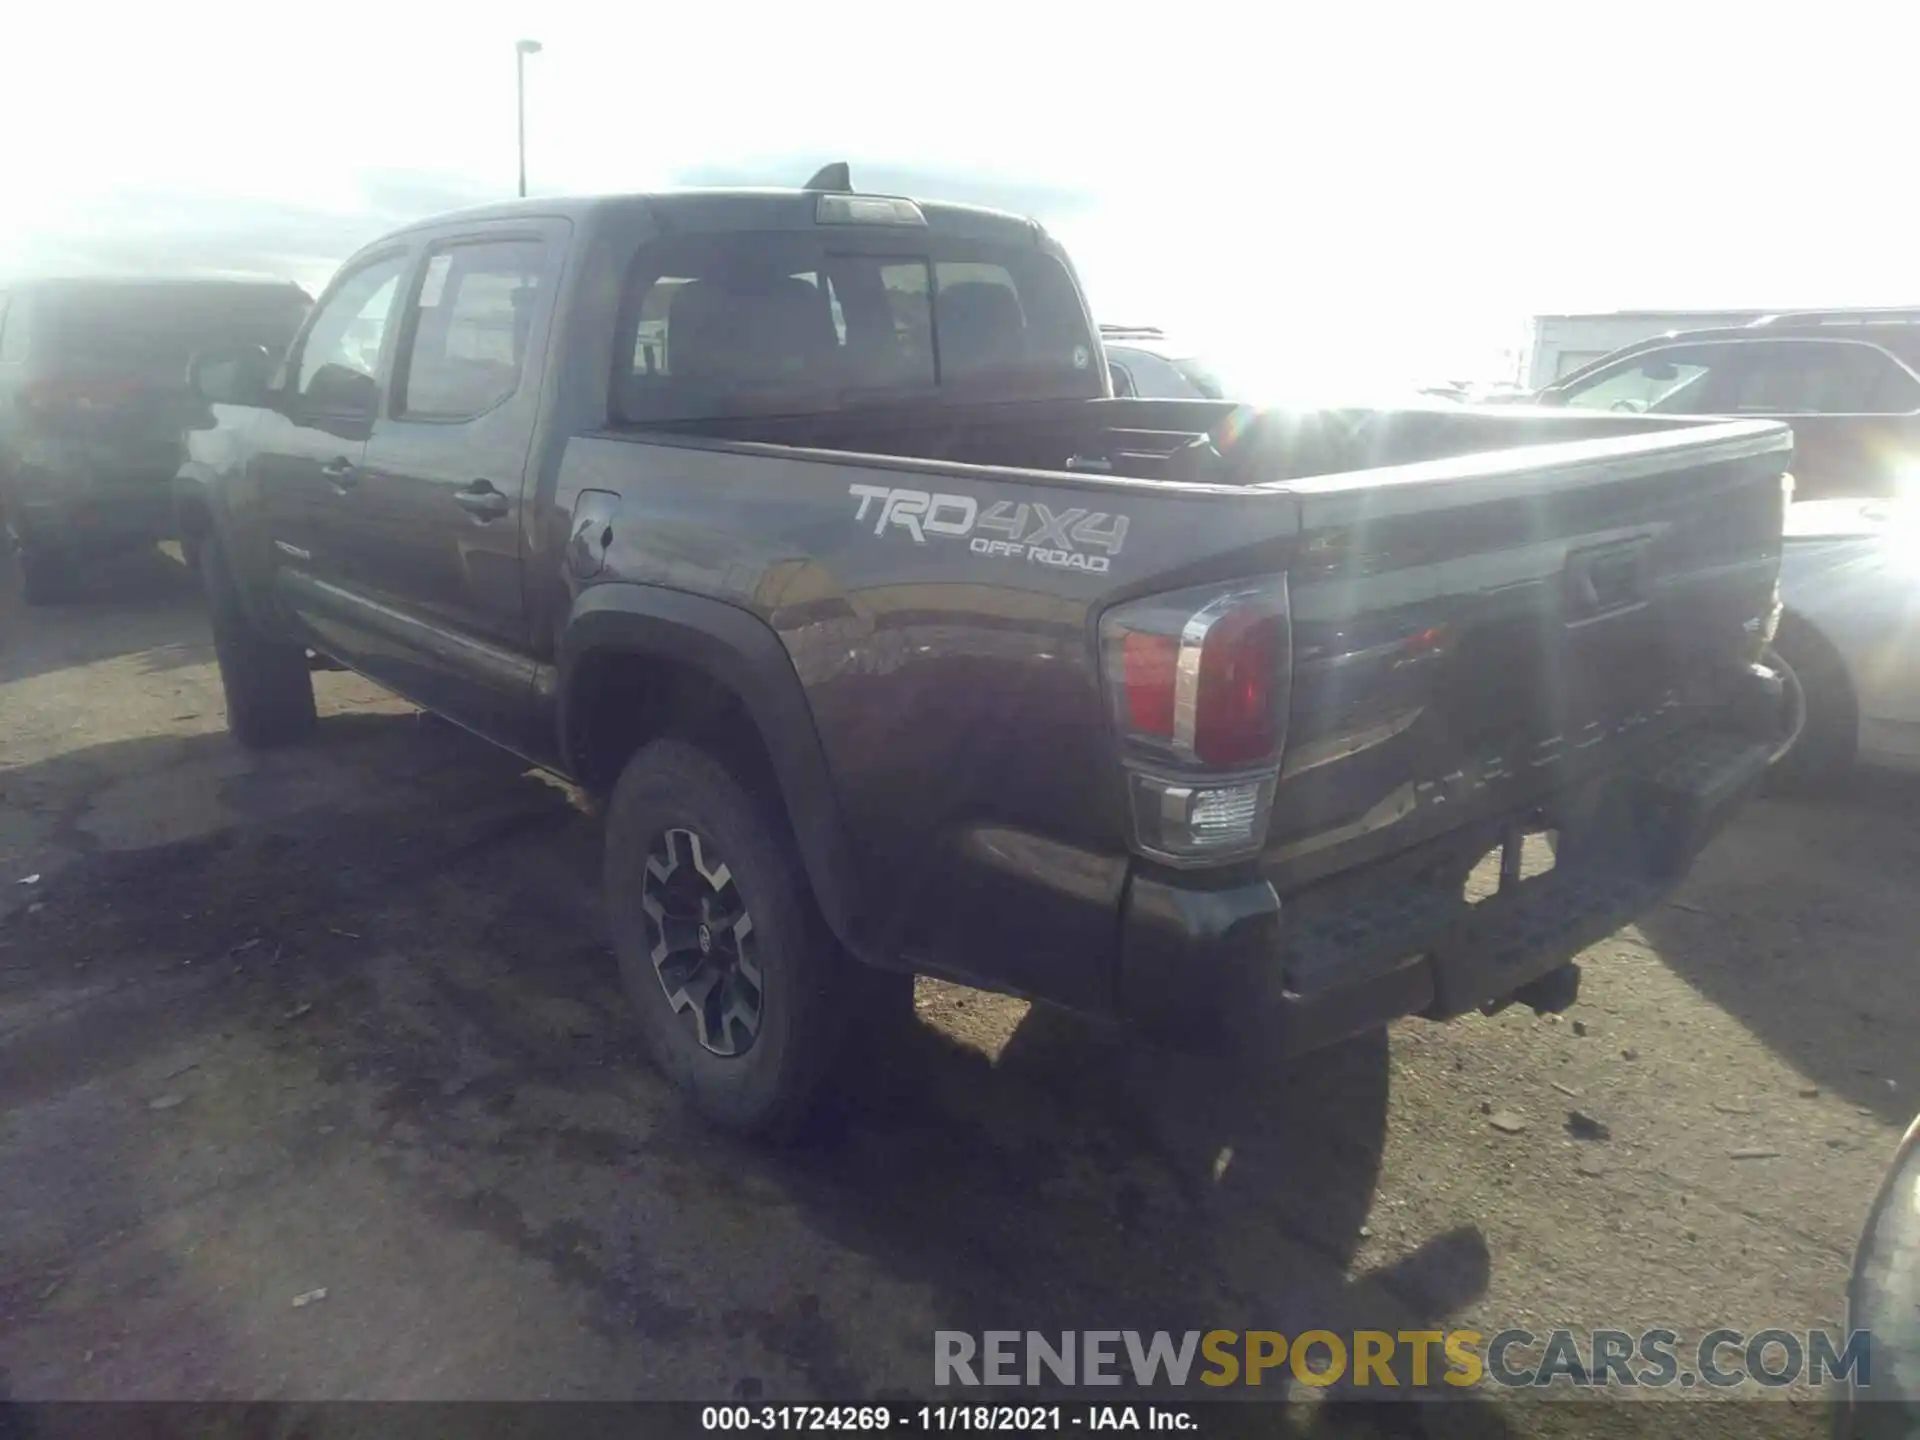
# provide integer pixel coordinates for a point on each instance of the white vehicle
(1850, 634)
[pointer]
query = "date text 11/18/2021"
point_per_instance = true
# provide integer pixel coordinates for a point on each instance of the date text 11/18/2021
(940, 1419)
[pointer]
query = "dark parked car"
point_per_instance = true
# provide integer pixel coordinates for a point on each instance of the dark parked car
(1145, 364)
(93, 399)
(1847, 380)
(803, 526)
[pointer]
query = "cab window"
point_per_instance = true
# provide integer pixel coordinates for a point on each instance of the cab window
(340, 358)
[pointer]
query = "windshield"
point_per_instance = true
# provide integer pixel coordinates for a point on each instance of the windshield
(787, 323)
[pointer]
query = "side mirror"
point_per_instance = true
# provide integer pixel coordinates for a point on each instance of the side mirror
(232, 375)
(341, 390)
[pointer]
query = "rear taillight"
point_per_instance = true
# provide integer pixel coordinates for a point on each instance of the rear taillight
(1199, 682)
(1149, 680)
(71, 397)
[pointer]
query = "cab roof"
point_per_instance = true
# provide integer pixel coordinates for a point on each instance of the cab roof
(59, 284)
(737, 209)
(1899, 337)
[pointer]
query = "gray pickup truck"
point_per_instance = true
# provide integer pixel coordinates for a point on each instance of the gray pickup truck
(804, 528)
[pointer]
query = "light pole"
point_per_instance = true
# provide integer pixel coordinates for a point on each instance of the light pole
(522, 49)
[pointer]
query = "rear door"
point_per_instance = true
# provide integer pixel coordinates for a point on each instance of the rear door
(433, 540)
(308, 448)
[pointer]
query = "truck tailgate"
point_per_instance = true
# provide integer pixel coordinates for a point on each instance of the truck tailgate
(1472, 631)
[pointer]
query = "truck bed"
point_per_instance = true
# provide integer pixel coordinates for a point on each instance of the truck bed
(1188, 441)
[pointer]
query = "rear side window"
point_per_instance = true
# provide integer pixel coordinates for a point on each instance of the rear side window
(785, 323)
(1822, 377)
(469, 329)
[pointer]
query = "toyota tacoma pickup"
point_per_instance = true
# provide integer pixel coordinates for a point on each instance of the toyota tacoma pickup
(803, 528)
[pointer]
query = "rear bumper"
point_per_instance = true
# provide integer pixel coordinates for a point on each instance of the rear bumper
(1204, 964)
(71, 499)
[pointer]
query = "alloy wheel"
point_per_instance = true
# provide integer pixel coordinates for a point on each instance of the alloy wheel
(701, 941)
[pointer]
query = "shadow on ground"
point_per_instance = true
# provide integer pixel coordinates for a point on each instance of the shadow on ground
(147, 591)
(396, 931)
(1840, 866)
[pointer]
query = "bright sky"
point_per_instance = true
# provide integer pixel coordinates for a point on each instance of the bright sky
(1344, 194)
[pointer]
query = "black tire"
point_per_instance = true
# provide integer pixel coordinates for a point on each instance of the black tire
(45, 577)
(268, 686)
(1830, 733)
(668, 791)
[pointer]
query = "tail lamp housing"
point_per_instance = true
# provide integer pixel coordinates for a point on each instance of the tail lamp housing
(73, 399)
(1199, 681)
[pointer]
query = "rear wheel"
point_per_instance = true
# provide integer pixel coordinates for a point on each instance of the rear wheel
(268, 686)
(742, 993)
(45, 575)
(1820, 699)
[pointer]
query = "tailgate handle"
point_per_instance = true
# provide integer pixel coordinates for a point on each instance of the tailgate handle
(1605, 579)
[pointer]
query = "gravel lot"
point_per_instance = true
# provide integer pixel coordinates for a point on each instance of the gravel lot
(343, 1019)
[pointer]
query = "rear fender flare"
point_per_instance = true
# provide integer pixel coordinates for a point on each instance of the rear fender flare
(740, 652)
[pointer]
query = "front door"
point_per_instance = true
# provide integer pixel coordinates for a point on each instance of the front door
(435, 543)
(310, 446)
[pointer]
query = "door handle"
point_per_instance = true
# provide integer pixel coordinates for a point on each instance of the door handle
(482, 501)
(342, 474)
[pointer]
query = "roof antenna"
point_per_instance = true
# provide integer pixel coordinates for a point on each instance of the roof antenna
(832, 177)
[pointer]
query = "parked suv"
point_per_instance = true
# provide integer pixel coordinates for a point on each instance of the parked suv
(93, 400)
(1848, 380)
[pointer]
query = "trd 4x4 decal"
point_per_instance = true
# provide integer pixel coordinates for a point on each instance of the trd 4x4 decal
(1033, 532)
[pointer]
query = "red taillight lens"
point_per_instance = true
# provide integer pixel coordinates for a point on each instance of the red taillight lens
(72, 396)
(1149, 665)
(1201, 676)
(1235, 717)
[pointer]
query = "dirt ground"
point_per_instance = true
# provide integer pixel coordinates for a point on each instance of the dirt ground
(343, 1020)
